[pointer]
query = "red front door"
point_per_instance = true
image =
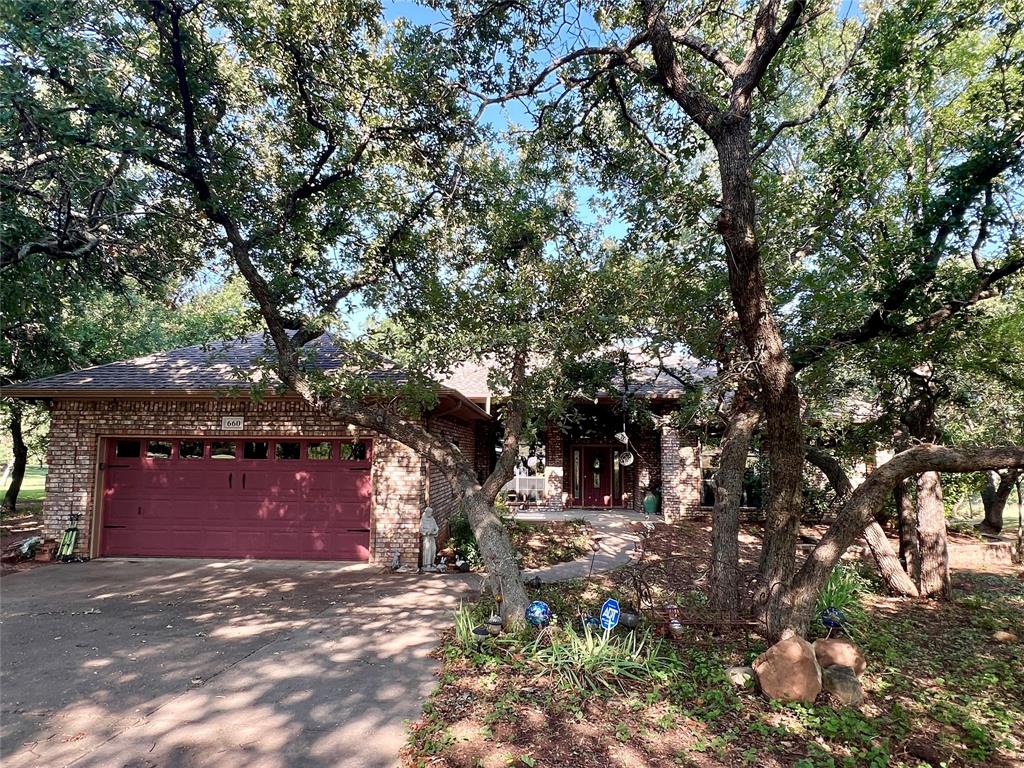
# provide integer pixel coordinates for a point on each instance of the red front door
(597, 477)
(237, 497)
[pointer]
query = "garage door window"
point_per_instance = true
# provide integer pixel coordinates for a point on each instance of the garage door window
(287, 451)
(158, 449)
(190, 449)
(256, 450)
(222, 450)
(318, 451)
(353, 452)
(127, 449)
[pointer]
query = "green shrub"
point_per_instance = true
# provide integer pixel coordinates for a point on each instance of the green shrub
(462, 539)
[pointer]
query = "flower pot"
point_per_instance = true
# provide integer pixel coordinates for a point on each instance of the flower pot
(651, 503)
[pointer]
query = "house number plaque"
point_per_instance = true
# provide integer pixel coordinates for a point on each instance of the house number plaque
(232, 422)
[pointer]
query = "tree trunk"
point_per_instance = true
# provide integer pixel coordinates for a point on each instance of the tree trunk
(865, 502)
(10, 503)
(1020, 519)
(896, 579)
(931, 537)
(775, 374)
(906, 514)
(725, 522)
(994, 499)
(497, 553)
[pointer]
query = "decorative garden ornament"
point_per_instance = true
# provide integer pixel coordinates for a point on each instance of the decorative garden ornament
(428, 532)
(538, 614)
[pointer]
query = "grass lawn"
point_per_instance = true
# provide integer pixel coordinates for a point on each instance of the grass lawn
(33, 491)
(938, 690)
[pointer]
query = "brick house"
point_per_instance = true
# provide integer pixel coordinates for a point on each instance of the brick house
(173, 455)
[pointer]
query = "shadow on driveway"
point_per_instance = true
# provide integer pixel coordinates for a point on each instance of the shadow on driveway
(178, 663)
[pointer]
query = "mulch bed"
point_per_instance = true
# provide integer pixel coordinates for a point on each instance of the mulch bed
(939, 690)
(548, 543)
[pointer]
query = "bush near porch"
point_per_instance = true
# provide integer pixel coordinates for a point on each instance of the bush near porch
(939, 690)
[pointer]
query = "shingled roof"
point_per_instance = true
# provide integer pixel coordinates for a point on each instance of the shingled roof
(647, 379)
(236, 365)
(203, 370)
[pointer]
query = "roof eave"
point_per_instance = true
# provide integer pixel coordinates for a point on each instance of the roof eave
(76, 393)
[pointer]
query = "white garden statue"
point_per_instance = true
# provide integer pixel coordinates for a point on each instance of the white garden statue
(428, 530)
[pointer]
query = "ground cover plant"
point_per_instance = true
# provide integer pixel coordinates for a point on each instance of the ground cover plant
(939, 690)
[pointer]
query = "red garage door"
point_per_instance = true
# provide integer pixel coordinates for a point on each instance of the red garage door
(237, 497)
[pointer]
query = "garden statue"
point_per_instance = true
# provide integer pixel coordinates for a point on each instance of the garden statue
(428, 530)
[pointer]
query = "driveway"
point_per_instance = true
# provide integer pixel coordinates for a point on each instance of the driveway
(176, 663)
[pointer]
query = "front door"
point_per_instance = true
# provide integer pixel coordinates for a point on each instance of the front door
(597, 477)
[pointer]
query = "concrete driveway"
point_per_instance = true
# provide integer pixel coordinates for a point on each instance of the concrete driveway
(177, 663)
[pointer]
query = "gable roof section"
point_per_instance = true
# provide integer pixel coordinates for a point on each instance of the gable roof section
(647, 379)
(203, 370)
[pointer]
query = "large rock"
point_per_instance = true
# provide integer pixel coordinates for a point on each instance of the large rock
(842, 683)
(836, 652)
(788, 671)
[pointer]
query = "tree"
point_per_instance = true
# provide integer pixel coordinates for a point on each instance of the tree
(998, 486)
(740, 77)
(81, 323)
(332, 161)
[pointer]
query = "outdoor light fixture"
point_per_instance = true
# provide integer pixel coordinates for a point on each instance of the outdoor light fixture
(622, 437)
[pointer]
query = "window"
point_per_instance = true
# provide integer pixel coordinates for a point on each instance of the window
(158, 449)
(222, 449)
(352, 452)
(127, 449)
(318, 451)
(190, 449)
(288, 451)
(751, 492)
(577, 478)
(255, 450)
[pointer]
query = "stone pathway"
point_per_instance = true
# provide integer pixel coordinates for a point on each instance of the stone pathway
(613, 530)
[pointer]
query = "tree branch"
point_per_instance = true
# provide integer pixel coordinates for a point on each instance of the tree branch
(765, 42)
(830, 90)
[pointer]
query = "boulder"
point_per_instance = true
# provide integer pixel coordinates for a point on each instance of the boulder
(1002, 636)
(843, 684)
(788, 671)
(741, 677)
(838, 652)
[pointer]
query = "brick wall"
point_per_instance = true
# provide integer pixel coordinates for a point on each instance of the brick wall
(646, 469)
(680, 475)
(440, 495)
(77, 426)
(555, 487)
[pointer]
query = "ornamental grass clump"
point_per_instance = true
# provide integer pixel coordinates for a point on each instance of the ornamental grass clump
(601, 662)
(843, 591)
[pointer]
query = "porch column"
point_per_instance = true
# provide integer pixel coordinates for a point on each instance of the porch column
(680, 475)
(554, 462)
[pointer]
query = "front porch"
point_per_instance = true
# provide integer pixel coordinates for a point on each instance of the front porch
(583, 465)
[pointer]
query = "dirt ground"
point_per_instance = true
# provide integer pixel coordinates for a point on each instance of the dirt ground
(939, 690)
